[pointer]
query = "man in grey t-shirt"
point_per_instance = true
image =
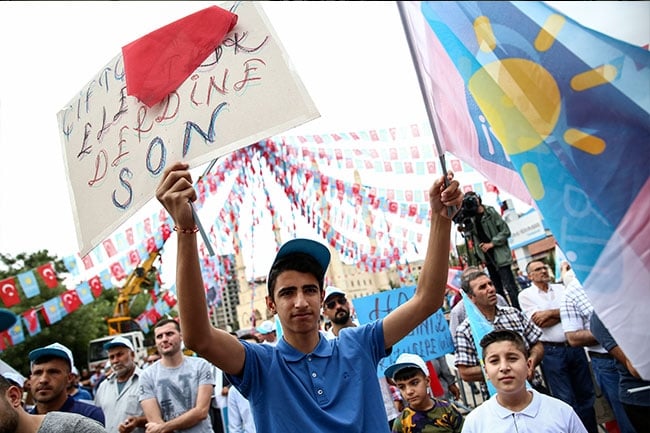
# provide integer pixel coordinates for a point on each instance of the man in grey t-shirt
(176, 391)
(14, 418)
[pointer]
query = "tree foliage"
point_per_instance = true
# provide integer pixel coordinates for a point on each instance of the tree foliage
(75, 330)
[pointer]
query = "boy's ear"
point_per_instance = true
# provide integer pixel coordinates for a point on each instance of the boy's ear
(270, 304)
(15, 396)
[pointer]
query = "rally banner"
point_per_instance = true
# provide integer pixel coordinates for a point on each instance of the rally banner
(431, 339)
(116, 146)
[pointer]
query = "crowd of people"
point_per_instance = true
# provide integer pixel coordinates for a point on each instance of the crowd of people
(532, 365)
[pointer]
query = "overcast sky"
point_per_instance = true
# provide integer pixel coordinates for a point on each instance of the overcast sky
(351, 56)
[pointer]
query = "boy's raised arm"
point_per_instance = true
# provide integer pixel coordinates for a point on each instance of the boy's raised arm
(175, 192)
(430, 291)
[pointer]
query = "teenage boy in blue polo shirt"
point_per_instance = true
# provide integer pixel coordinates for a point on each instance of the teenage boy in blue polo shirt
(306, 383)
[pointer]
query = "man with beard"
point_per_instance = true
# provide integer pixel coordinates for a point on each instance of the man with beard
(176, 392)
(14, 419)
(118, 394)
(337, 309)
(51, 372)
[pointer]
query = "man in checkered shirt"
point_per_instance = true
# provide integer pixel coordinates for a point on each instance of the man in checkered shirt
(481, 291)
(575, 315)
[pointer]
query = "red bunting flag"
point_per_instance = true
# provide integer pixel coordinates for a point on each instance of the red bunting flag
(169, 298)
(71, 301)
(96, 287)
(109, 247)
(48, 274)
(87, 261)
(8, 292)
(118, 271)
(31, 322)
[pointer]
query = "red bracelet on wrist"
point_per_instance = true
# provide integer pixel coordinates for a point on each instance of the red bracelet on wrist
(186, 231)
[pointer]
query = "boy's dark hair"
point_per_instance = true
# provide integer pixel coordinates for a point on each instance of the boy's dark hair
(504, 335)
(299, 262)
(407, 373)
(468, 278)
(165, 321)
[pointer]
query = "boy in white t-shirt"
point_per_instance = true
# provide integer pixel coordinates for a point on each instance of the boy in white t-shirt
(514, 408)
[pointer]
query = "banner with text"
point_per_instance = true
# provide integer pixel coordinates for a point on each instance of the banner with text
(431, 339)
(116, 147)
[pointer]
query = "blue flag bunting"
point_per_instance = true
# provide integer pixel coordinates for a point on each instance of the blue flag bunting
(29, 284)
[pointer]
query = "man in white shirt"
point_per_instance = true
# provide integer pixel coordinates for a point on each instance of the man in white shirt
(566, 369)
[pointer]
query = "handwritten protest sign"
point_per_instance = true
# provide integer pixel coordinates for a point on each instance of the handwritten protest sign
(116, 148)
(431, 339)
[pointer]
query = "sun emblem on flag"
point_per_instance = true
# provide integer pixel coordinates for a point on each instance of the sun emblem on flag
(522, 100)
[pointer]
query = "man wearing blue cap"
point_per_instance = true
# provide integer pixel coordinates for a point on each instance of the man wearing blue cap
(51, 372)
(306, 382)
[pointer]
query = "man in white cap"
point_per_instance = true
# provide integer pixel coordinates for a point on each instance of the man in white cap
(118, 394)
(268, 332)
(51, 372)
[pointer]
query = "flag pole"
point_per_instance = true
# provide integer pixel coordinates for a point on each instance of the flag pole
(427, 105)
(409, 38)
(197, 220)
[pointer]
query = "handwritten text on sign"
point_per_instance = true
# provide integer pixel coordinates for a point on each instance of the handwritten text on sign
(116, 147)
(431, 339)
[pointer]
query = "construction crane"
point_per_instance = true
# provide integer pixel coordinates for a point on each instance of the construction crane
(145, 274)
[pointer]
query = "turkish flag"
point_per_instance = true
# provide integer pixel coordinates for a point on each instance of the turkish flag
(169, 298)
(134, 257)
(109, 247)
(87, 261)
(71, 301)
(48, 274)
(129, 236)
(153, 315)
(30, 318)
(151, 245)
(95, 286)
(165, 231)
(118, 271)
(8, 292)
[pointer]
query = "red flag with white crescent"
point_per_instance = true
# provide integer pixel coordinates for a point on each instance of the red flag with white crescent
(96, 287)
(30, 318)
(48, 274)
(8, 292)
(71, 301)
(118, 271)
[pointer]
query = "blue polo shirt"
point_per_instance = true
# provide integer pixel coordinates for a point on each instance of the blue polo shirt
(333, 389)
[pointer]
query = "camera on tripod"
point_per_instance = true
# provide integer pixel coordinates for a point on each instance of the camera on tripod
(468, 210)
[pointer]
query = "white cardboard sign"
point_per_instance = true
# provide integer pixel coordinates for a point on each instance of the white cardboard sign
(116, 148)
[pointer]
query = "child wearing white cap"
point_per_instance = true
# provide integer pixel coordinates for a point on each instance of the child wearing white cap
(423, 412)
